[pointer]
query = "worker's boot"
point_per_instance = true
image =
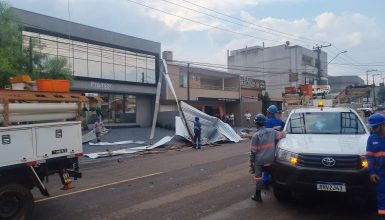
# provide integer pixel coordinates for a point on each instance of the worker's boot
(257, 196)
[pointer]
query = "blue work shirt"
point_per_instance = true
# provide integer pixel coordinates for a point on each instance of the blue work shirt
(375, 154)
(273, 122)
(197, 126)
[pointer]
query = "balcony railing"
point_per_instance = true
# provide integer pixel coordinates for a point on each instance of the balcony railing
(212, 87)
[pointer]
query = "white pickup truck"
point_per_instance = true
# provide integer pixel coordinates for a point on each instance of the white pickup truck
(323, 150)
(32, 151)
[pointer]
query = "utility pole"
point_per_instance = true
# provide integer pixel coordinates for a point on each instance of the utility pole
(318, 49)
(367, 75)
(188, 82)
(374, 89)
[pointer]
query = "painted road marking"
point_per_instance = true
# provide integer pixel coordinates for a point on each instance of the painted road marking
(97, 187)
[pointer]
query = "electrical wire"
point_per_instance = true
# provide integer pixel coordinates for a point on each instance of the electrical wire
(250, 23)
(202, 23)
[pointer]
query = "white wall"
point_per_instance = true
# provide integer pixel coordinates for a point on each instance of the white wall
(273, 64)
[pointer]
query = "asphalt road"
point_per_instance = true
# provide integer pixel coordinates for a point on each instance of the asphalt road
(213, 183)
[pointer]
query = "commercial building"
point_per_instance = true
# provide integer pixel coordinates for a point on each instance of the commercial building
(212, 91)
(279, 66)
(123, 70)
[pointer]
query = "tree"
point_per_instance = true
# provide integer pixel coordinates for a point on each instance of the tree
(16, 58)
(265, 101)
(11, 54)
(381, 95)
(56, 68)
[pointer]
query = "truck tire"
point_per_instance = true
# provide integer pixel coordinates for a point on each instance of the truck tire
(281, 194)
(16, 202)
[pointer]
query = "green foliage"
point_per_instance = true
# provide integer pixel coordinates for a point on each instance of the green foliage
(56, 68)
(381, 95)
(265, 101)
(10, 43)
(16, 59)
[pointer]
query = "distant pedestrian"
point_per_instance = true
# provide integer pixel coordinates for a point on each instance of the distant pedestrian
(375, 154)
(248, 118)
(98, 129)
(197, 133)
(227, 119)
(262, 151)
(232, 119)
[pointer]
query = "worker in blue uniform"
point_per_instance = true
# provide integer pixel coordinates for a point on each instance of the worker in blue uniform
(197, 133)
(375, 154)
(272, 121)
(262, 151)
(276, 124)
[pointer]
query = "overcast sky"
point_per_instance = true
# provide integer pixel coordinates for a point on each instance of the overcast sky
(357, 26)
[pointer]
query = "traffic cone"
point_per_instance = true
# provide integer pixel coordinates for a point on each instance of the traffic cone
(68, 186)
(67, 182)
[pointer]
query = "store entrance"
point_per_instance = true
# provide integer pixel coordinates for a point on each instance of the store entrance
(118, 108)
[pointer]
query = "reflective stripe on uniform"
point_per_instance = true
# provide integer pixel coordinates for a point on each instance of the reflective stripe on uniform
(260, 147)
(376, 154)
(258, 177)
(381, 212)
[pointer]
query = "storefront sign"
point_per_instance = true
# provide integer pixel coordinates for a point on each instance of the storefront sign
(249, 83)
(100, 85)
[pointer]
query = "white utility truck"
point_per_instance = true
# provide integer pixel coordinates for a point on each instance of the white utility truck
(40, 136)
(323, 150)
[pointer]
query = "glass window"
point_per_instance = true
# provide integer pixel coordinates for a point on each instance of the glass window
(120, 72)
(107, 71)
(141, 68)
(80, 50)
(80, 67)
(130, 105)
(151, 77)
(94, 69)
(325, 123)
(49, 45)
(107, 63)
(119, 57)
(94, 53)
(183, 80)
(131, 67)
(64, 48)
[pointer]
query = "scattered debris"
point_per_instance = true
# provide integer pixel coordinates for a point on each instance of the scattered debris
(116, 143)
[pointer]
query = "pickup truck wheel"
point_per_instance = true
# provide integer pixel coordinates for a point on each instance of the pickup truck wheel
(282, 195)
(16, 202)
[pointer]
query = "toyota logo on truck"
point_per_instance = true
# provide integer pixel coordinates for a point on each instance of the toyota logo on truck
(328, 162)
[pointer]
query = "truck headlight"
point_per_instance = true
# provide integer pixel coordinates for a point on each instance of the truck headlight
(287, 156)
(364, 162)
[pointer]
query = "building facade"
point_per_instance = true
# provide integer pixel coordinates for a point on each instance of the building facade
(279, 66)
(121, 69)
(214, 92)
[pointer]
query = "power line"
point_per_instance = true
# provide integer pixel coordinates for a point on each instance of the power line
(238, 19)
(232, 22)
(202, 23)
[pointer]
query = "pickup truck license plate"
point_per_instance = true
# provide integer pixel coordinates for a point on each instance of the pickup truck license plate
(334, 187)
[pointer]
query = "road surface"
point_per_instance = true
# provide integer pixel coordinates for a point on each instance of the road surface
(213, 183)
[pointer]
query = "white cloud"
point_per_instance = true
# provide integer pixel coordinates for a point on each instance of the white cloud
(359, 34)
